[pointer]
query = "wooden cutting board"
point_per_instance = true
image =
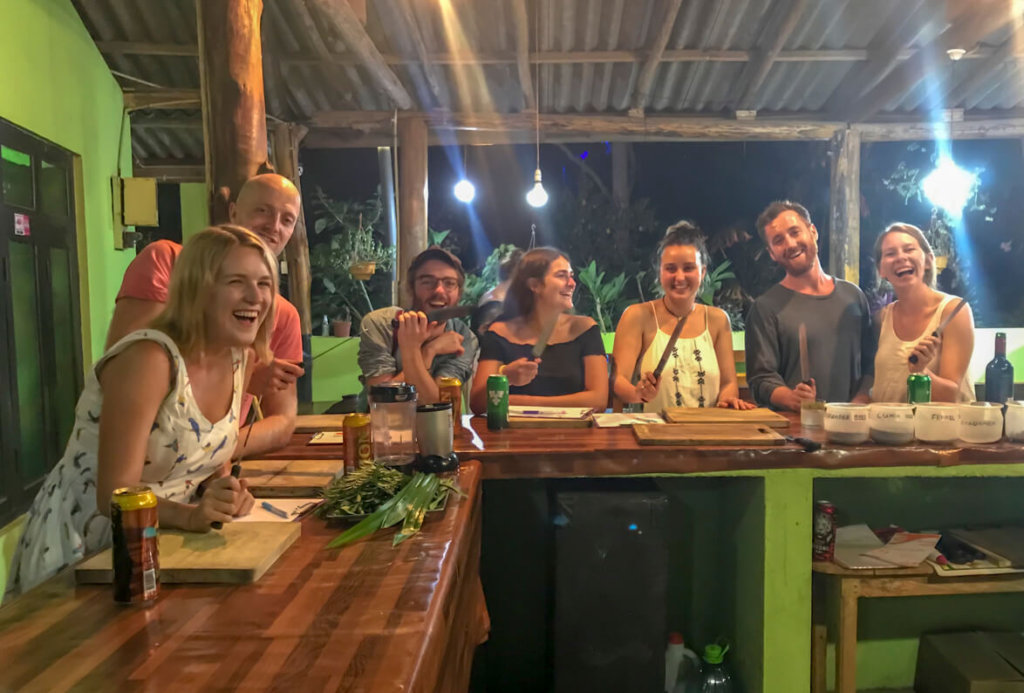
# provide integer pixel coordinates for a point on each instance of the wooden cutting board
(237, 554)
(701, 434)
(716, 415)
(311, 423)
(537, 422)
(289, 478)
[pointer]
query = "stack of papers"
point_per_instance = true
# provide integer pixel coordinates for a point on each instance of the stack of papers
(858, 547)
(549, 412)
(616, 419)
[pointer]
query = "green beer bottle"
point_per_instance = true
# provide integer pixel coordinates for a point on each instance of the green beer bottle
(497, 402)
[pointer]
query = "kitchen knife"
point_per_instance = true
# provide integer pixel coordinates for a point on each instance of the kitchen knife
(236, 467)
(942, 325)
(676, 331)
(805, 362)
(544, 337)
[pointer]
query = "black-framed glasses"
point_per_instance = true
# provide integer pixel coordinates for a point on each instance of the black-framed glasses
(430, 282)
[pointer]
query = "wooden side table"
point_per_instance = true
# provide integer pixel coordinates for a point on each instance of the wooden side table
(852, 585)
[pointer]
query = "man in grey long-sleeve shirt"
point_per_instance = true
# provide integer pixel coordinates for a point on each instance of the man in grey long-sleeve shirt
(840, 339)
(425, 351)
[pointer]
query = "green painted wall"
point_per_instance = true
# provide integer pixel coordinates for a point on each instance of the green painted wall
(9, 536)
(335, 370)
(195, 213)
(55, 84)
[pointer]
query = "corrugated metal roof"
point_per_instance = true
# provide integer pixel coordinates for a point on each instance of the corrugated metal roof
(591, 57)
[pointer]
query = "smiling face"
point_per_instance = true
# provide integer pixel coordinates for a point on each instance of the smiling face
(557, 287)
(268, 205)
(903, 262)
(792, 242)
(240, 298)
(682, 271)
(436, 285)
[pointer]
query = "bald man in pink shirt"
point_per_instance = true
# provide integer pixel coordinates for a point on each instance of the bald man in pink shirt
(268, 205)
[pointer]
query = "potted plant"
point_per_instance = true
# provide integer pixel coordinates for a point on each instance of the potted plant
(343, 255)
(341, 326)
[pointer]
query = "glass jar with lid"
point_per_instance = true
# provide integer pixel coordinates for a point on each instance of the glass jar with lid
(393, 423)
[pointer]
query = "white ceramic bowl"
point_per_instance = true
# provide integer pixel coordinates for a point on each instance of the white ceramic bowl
(891, 424)
(1015, 420)
(981, 422)
(937, 422)
(845, 423)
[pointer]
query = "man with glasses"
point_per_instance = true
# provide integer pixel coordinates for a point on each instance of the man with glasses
(426, 351)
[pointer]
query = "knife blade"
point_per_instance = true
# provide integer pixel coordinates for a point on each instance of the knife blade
(676, 331)
(805, 362)
(942, 325)
(544, 337)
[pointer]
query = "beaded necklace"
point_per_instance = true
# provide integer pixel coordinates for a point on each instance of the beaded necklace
(697, 356)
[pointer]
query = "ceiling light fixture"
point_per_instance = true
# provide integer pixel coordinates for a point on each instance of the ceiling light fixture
(464, 190)
(537, 195)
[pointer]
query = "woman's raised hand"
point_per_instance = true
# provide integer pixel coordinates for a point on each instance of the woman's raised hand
(521, 371)
(647, 388)
(925, 351)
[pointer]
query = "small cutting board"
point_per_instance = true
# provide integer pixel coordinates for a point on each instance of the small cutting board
(311, 423)
(701, 434)
(289, 478)
(717, 415)
(239, 553)
(538, 422)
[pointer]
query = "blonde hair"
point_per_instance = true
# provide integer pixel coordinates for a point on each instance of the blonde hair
(918, 235)
(192, 280)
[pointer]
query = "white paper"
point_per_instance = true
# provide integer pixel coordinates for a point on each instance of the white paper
(853, 542)
(615, 419)
(906, 549)
(294, 507)
(549, 412)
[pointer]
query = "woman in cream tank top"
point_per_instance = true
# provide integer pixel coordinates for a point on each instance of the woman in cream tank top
(904, 259)
(701, 371)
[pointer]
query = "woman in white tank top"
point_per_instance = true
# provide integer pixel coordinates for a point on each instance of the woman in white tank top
(904, 258)
(701, 371)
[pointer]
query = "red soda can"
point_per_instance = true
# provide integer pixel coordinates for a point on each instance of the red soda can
(133, 523)
(358, 450)
(824, 541)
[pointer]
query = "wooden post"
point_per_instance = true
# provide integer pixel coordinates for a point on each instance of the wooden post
(844, 214)
(412, 195)
(286, 138)
(620, 173)
(234, 115)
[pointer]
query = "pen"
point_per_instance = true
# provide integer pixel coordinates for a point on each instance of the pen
(273, 509)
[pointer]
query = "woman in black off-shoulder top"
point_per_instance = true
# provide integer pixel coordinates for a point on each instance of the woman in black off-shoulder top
(573, 371)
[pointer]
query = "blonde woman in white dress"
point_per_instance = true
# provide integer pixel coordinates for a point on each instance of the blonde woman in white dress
(904, 258)
(160, 408)
(701, 371)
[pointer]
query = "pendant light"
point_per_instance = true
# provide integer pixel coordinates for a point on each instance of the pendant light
(537, 195)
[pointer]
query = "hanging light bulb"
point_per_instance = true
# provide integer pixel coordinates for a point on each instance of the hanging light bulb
(464, 191)
(537, 196)
(949, 187)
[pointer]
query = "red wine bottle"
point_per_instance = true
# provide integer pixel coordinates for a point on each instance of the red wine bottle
(999, 374)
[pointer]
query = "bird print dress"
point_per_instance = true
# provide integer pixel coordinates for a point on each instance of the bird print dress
(184, 448)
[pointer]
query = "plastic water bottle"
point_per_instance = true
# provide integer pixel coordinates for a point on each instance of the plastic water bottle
(325, 327)
(682, 667)
(715, 678)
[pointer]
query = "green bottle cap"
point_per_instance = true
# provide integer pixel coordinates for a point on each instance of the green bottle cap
(713, 654)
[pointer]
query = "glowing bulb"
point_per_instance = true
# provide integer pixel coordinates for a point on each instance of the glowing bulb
(948, 187)
(464, 191)
(537, 196)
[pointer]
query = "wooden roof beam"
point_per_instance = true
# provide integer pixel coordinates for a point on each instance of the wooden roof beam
(359, 42)
(757, 69)
(971, 27)
(161, 98)
(170, 171)
(435, 81)
(521, 22)
(642, 90)
(145, 48)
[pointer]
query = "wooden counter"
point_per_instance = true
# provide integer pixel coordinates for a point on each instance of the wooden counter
(591, 452)
(363, 618)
